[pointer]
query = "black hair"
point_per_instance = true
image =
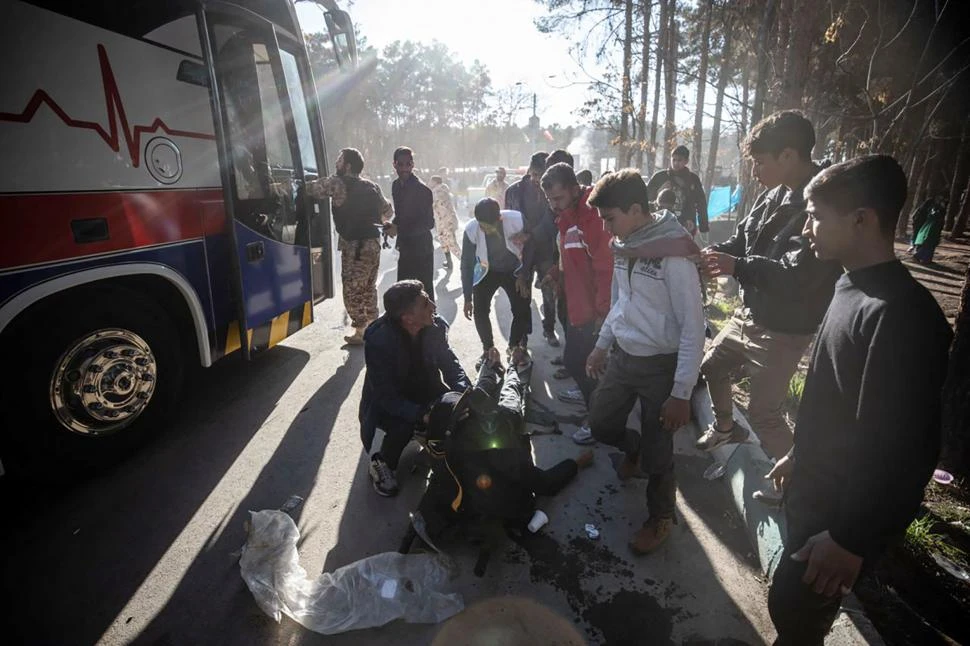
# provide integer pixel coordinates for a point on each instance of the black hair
(585, 177)
(785, 129)
(401, 151)
(875, 182)
(621, 190)
(354, 159)
(538, 161)
(487, 210)
(559, 156)
(681, 151)
(561, 174)
(400, 297)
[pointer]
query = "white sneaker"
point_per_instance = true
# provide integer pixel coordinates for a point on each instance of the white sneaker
(584, 436)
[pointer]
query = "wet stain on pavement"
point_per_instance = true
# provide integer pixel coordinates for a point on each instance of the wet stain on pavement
(630, 616)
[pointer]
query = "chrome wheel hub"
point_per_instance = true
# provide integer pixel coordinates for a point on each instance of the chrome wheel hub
(103, 382)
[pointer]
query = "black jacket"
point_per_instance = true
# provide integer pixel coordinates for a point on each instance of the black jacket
(691, 201)
(784, 285)
(538, 221)
(391, 373)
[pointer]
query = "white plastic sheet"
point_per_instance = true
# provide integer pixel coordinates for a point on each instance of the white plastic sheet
(370, 592)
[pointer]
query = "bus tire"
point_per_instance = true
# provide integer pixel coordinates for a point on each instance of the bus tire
(100, 372)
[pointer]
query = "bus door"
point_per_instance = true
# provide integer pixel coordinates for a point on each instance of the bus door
(270, 146)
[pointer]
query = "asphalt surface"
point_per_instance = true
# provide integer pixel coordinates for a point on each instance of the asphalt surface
(147, 551)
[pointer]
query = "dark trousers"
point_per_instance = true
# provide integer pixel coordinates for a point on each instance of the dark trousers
(580, 341)
(397, 433)
(482, 301)
(416, 260)
(548, 309)
(800, 615)
(650, 379)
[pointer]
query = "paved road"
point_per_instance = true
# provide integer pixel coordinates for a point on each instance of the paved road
(147, 551)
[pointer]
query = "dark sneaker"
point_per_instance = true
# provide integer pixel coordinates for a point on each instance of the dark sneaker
(552, 340)
(556, 361)
(383, 478)
(572, 396)
(713, 438)
(649, 537)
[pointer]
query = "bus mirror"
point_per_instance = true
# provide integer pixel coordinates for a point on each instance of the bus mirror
(193, 73)
(342, 35)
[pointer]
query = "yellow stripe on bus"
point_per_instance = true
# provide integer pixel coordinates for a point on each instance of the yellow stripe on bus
(232, 338)
(307, 314)
(277, 331)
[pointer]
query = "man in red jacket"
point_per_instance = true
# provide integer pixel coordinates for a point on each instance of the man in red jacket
(587, 267)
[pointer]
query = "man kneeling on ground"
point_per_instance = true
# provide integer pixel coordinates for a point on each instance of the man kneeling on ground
(656, 331)
(409, 365)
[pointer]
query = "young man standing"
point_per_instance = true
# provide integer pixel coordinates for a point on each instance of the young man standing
(690, 202)
(538, 236)
(491, 260)
(656, 331)
(414, 219)
(868, 433)
(409, 364)
(359, 209)
(785, 289)
(587, 266)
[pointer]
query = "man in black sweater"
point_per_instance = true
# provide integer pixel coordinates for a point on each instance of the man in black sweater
(868, 433)
(413, 219)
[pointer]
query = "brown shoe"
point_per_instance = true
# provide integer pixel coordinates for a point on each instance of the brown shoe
(357, 338)
(625, 467)
(649, 537)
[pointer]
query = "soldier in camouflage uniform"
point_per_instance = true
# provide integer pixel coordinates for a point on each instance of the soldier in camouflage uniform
(445, 219)
(359, 212)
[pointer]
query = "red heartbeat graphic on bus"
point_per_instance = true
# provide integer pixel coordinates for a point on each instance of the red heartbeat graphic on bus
(116, 113)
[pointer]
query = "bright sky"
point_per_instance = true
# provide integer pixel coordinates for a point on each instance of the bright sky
(500, 33)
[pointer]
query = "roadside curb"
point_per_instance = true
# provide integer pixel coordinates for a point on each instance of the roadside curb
(745, 468)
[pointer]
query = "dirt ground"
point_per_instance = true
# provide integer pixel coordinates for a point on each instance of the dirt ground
(944, 276)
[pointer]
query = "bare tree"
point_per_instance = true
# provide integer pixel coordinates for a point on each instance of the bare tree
(661, 48)
(626, 107)
(647, 9)
(723, 75)
(670, 81)
(705, 47)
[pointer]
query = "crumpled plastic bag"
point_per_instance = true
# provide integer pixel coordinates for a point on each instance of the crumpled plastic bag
(370, 592)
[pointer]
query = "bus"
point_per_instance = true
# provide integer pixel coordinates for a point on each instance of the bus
(153, 157)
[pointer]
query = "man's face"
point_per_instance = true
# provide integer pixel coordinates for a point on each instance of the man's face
(678, 163)
(562, 198)
(421, 313)
(341, 165)
(535, 175)
(769, 169)
(404, 165)
(500, 175)
(622, 223)
(833, 235)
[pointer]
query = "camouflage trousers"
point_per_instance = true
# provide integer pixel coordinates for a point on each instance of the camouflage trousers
(446, 228)
(359, 263)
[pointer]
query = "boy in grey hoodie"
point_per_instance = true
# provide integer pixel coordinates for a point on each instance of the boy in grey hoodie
(655, 329)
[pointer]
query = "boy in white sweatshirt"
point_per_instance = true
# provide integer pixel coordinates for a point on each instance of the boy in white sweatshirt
(650, 345)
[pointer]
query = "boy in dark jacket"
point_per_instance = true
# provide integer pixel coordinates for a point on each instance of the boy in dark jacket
(868, 433)
(409, 365)
(785, 289)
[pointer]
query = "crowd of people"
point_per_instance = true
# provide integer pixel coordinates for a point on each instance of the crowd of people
(619, 264)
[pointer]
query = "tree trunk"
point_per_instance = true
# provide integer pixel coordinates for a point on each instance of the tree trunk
(960, 224)
(912, 177)
(670, 82)
(765, 31)
(657, 77)
(723, 75)
(798, 55)
(956, 392)
(626, 101)
(702, 81)
(644, 78)
(783, 40)
(959, 172)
